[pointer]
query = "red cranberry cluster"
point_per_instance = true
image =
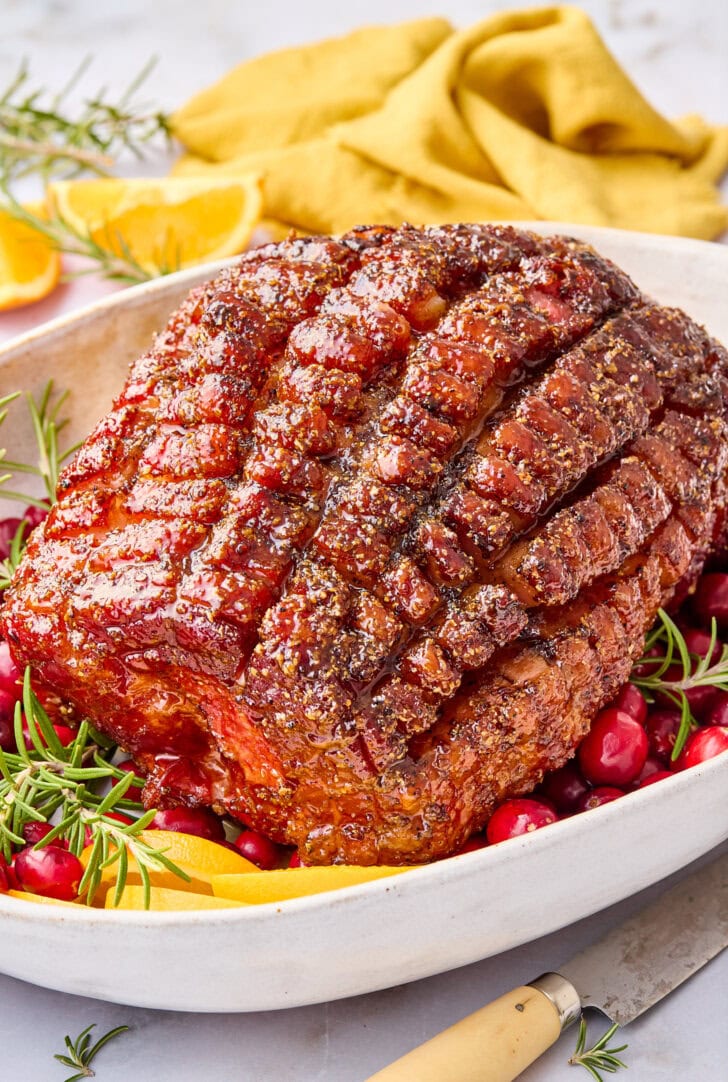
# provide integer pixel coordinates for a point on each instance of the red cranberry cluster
(630, 743)
(51, 871)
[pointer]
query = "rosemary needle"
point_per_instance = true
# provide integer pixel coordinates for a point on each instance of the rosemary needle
(47, 426)
(39, 134)
(108, 252)
(44, 781)
(599, 1057)
(81, 1053)
(668, 667)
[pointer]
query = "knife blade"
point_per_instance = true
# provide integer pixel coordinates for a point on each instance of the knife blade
(636, 964)
(624, 974)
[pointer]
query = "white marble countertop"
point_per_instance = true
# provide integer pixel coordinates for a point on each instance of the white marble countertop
(676, 53)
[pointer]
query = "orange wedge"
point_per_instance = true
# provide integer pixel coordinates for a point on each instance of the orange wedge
(164, 224)
(164, 900)
(29, 266)
(258, 887)
(163, 879)
(27, 897)
(198, 857)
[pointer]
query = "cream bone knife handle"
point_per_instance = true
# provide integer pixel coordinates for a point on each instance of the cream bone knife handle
(496, 1043)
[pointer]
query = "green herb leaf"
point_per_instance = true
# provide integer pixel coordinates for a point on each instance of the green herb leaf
(81, 1052)
(111, 255)
(39, 135)
(47, 426)
(43, 781)
(9, 565)
(599, 1057)
(665, 649)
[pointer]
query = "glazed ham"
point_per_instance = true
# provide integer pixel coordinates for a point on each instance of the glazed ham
(375, 529)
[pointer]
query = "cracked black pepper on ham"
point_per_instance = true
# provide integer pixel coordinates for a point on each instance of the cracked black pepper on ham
(375, 529)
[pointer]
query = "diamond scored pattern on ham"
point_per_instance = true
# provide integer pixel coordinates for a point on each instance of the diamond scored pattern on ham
(375, 529)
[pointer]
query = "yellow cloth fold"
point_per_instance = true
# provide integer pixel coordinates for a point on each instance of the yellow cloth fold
(524, 115)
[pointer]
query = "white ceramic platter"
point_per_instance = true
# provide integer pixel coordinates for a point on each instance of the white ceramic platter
(394, 930)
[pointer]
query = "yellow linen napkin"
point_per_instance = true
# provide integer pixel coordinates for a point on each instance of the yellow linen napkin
(525, 115)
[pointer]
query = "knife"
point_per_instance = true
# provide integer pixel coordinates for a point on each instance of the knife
(624, 974)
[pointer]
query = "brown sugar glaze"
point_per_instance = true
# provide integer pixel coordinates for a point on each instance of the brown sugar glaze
(375, 528)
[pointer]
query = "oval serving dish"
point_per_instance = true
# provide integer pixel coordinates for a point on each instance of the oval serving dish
(393, 930)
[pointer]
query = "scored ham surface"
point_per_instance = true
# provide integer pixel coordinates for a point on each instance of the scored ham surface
(375, 528)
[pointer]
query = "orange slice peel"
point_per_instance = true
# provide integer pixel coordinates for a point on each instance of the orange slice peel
(166, 223)
(29, 265)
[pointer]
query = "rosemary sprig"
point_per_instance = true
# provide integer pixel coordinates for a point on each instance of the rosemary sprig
(38, 134)
(110, 254)
(81, 1052)
(599, 1057)
(650, 671)
(47, 426)
(9, 565)
(45, 782)
(4, 403)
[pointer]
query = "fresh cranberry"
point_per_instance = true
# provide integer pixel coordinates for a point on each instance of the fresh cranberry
(711, 600)
(698, 643)
(258, 849)
(8, 529)
(52, 872)
(673, 675)
(11, 678)
(701, 746)
(34, 832)
(134, 792)
(662, 728)
(65, 734)
(718, 713)
(35, 515)
(477, 841)
(700, 698)
(614, 750)
(199, 821)
(564, 788)
(519, 816)
(632, 702)
(658, 775)
(228, 845)
(653, 765)
(603, 794)
(7, 721)
(8, 878)
(12, 875)
(648, 668)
